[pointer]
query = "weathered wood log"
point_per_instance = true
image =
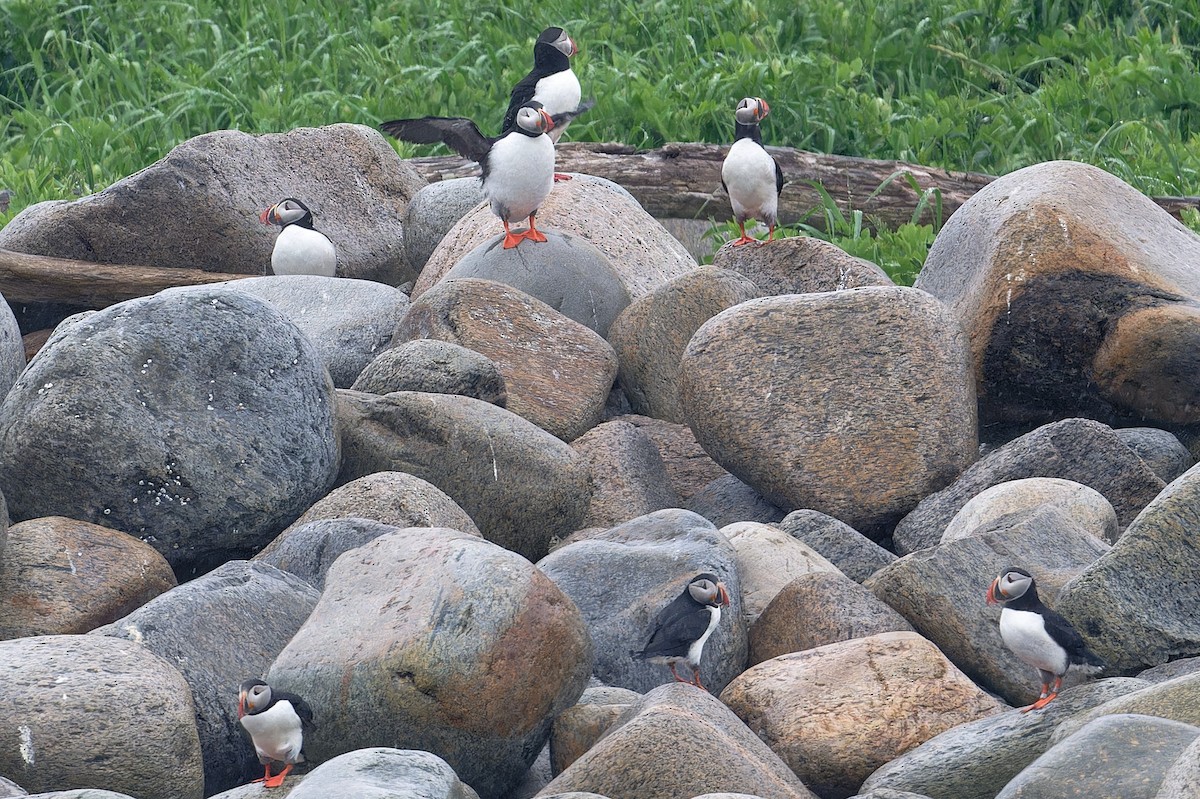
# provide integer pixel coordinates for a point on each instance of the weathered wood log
(37, 278)
(684, 181)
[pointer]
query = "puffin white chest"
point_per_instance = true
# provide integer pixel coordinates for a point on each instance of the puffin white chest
(558, 93)
(749, 176)
(1024, 632)
(303, 251)
(696, 650)
(520, 175)
(276, 732)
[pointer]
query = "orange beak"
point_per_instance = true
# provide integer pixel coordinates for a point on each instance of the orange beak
(723, 594)
(574, 48)
(993, 594)
(547, 120)
(267, 217)
(763, 108)
(242, 694)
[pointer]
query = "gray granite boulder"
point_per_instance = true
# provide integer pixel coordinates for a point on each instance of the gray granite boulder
(199, 419)
(1085, 505)
(1081, 450)
(628, 475)
(218, 630)
(689, 467)
(383, 773)
(855, 555)
(521, 485)
(566, 272)
(431, 213)
(349, 321)
(767, 560)
(1125, 755)
(438, 367)
(650, 335)
(351, 178)
(66, 698)
(309, 549)
(579, 727)
(1138, 602)
(1177, 699)
(650, 558)
(800, 265)
(432, 639)
(557, 372)
(679, 741)
(1182, 780)
(727, 500)
(12, 348)
(1162, 451)
(855, 403)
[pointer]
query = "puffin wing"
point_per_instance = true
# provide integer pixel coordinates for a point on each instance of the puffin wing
(302, 708)
(677, 628)
(1066, 636)
(566, 116)
(778, 177)
(458, 133)
(521, 94)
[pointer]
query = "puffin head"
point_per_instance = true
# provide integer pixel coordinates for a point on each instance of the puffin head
(285, 212)
(708, 590)
(751, 110)
(533, 119)
(253, 696)
(559, 40)
(1011, 583)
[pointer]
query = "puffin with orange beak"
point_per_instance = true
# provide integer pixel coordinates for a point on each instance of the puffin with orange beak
(750, 175)
(300, 249)
(276, 721)
(1036, 634)
(683, 626)
(518, 166)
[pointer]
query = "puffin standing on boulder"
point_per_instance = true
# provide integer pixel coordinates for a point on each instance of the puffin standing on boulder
(750, 175)
(1036, 634)
(683, 626)
(518, 166)
(276, 721)
(300, 249)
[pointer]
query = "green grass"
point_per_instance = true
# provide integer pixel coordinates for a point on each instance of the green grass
(90, 93)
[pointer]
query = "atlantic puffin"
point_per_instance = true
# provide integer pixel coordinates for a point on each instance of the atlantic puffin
(1036, 634)
(750, 175)
(276, 721)
(683, 626)
(518, 166)
(551, 82)
(300, 249)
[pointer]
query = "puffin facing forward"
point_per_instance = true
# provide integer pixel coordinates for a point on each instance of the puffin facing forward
(518, 166)
(683, 626)
(300, 249)
(551, 82)
(750, 175)
(276, 721)
(1036, 634)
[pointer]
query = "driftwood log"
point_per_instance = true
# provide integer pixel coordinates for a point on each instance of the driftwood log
(683, 181)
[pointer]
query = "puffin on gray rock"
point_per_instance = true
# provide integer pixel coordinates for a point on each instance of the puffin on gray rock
(683, 626)
(750, 175)
(276, 721)
(1036, 634)
(300, 249)
(518, 166)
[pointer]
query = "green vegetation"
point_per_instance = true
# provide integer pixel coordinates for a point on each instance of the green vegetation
(90, 93)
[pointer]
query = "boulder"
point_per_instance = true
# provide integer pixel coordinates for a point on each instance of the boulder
(556, 371)
(855, 555)
(220, 629)
(566, 272)
(678, 741)
(800, 265)
(521, 485)
(836, 713)
(349, 321)
(381, 772)
(438, 367)
(1182, 780)
(628, 475)
(308, 550)
(12, 347)
(579, 727)
(689, 467)
(1125, 755)
(199, 419)
(432, 639)
(351, 178)
(1162, 451)
(64, 699)
(1137, 602)
(1081, 450)
(61, 576)
(819, 608)
(727, 500)
(941, 591)
(976, 759)
(643, 254)
(1177, 699)
(1085, 505)
(855, 403)
(1170, 670)
(649, 560)
(651, 335)
(432, 211)
(767, 560)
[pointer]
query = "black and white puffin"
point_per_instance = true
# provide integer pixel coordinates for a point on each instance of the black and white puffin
(1036, 634)
(683, 626)
(518, 166)
(551, 82)
(750, 175)
(300, 249)
(276, 721)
